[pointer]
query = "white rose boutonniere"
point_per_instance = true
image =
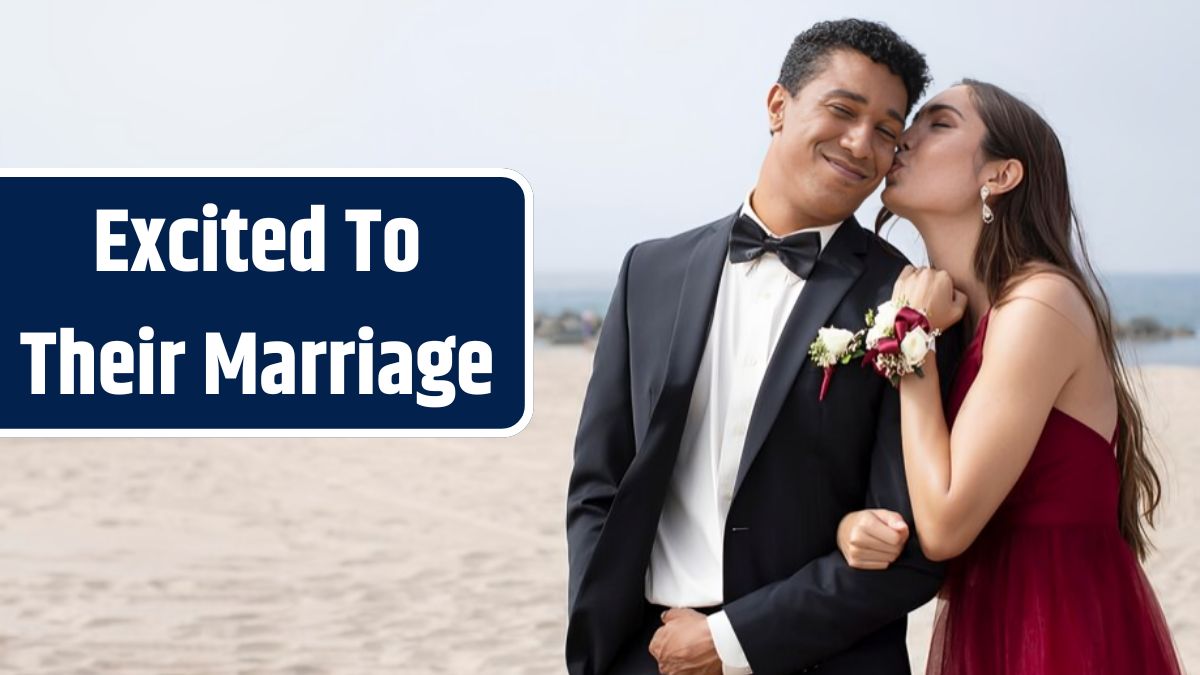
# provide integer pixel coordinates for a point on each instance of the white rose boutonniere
(895, 342)
(834, 346)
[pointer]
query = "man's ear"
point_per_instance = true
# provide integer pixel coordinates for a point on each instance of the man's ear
(777, 100)
(1005, 175)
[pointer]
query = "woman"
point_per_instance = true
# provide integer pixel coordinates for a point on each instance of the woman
(1036, 479)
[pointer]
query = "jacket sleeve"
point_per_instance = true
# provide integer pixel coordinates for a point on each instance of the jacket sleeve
(604, 442)
(827, 606)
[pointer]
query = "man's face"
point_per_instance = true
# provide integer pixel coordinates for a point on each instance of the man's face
(835, 139)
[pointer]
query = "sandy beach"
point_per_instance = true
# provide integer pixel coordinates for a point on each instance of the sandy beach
(306, 557)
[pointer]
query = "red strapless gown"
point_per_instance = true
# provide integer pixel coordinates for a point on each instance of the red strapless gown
(1050, 587)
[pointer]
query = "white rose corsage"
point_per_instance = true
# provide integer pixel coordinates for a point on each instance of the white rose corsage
(895, 342)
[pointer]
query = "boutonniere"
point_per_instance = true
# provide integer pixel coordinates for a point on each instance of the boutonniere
(895, 342)
(834, 346)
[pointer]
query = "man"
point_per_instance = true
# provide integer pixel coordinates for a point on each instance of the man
(710, 476)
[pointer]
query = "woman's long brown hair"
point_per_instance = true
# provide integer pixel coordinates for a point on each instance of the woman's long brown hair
(1035, 225)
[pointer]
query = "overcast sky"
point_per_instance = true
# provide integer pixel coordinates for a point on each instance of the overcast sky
(629, 119)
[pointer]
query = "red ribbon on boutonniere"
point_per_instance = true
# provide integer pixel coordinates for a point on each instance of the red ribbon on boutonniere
(834, 346)
(895, 342)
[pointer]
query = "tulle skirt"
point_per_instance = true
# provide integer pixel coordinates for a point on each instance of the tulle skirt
(1049, 599)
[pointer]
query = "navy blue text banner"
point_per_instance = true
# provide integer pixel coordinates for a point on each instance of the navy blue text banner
(265, 303)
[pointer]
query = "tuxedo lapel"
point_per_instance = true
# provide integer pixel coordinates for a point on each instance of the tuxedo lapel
(635, 510)
(623, 550)
(693, 319)
(840, 265)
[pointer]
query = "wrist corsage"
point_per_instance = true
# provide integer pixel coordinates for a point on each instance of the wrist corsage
(895, 342)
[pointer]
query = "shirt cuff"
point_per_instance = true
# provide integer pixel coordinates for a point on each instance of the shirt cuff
(733, 659)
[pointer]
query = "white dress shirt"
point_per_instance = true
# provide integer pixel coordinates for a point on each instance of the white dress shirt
(754, 300)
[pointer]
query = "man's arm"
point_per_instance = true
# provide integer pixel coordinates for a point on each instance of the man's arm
(604, 443)
(827, 606)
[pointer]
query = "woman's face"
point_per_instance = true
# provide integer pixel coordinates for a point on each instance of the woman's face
(938, 168)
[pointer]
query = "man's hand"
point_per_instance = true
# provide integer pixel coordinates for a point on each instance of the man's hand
(684, 645)
(872, 539)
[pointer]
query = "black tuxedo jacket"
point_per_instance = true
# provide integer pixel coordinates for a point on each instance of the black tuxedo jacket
(793, 601)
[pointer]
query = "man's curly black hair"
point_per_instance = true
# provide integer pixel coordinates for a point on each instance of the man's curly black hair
(810, 51)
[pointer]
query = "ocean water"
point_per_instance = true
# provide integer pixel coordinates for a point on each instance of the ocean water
(1172, 299)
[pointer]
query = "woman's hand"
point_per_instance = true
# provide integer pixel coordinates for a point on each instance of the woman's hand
(932, 292)
(872, 539)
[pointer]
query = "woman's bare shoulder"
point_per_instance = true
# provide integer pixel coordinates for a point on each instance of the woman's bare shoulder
(1043, 288)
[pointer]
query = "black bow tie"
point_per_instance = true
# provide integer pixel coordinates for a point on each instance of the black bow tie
(798, 252)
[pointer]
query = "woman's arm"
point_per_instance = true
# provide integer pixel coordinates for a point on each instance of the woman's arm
(957, 480)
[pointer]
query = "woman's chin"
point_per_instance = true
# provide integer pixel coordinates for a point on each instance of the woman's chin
(891, 203)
